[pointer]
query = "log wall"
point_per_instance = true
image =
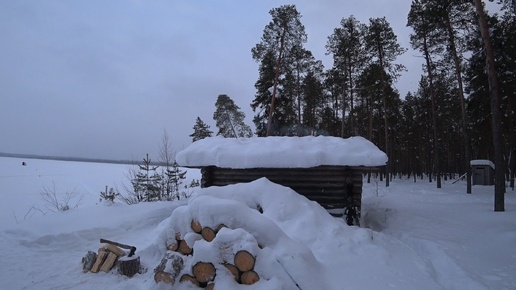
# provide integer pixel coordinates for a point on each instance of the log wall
(333, 187)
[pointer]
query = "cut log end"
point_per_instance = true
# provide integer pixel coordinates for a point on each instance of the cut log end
(173, 247)
(234, 271)
(204, 272)
(208, 234)
(244, 261)
(164, 277)
(249, 278)
(196, 226)
(189, 278)
(219, 227)
(210, 286)
(184, 248)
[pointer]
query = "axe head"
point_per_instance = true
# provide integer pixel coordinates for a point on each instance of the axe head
(131, 251)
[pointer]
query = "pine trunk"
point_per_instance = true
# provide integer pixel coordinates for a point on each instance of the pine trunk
(499, 200)
(277, 72)
(458, 73)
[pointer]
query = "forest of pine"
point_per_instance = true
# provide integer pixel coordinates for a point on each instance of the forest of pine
(434, 131)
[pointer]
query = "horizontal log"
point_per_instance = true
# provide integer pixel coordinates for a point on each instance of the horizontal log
(291, 183)
(286, 175)
(354, 169)
(330, 186)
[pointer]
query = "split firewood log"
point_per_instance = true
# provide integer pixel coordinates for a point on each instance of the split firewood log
(88, 261)
(208, 234)
(196, 226)
(184, 248)
(129, 266)
(109, 262)
(168, 269)
(115, 250)
(100, 259)
(203, 272)
(249, 277)
(189, 278)
(244, 261)
(233, 270)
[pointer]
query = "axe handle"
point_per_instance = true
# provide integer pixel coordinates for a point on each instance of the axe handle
(131, 248)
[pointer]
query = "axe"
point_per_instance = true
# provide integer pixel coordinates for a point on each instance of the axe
(131, 249)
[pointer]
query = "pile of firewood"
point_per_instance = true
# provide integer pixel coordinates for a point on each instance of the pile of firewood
(203, 273)
(110, 255)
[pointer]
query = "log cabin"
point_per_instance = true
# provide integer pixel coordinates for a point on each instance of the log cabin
(327, 170)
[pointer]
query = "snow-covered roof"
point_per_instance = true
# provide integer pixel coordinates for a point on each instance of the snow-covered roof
(281, 152)
(482, 162)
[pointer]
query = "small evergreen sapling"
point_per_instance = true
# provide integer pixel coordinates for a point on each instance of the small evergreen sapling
(175, 177)
(201, 130)
(109, 195)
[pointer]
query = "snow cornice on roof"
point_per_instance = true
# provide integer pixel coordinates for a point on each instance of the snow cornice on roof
(281, 152)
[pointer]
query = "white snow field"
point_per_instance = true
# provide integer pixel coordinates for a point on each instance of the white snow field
(413, 235)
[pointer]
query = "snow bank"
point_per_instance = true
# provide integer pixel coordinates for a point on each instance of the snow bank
(253, 214)
(283, 152)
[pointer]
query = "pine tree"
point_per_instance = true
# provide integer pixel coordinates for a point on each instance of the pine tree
(312, 92)
(175, 177)
(262, 100)
(281, 37)
(383, 47)
(346, 44)
(147, 182)
(230, 119)
(423, 39)
(201, 130)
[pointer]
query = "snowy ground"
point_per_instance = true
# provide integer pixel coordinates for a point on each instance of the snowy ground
(414, 236)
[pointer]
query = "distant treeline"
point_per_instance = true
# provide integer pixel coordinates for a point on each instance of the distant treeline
(75, 159)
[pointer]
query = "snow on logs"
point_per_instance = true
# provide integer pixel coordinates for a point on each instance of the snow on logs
(234, 235)
(202, 273)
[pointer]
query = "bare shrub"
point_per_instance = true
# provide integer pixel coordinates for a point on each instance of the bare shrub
(55, 202)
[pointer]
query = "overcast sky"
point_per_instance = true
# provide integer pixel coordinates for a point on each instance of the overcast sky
(104, 79)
